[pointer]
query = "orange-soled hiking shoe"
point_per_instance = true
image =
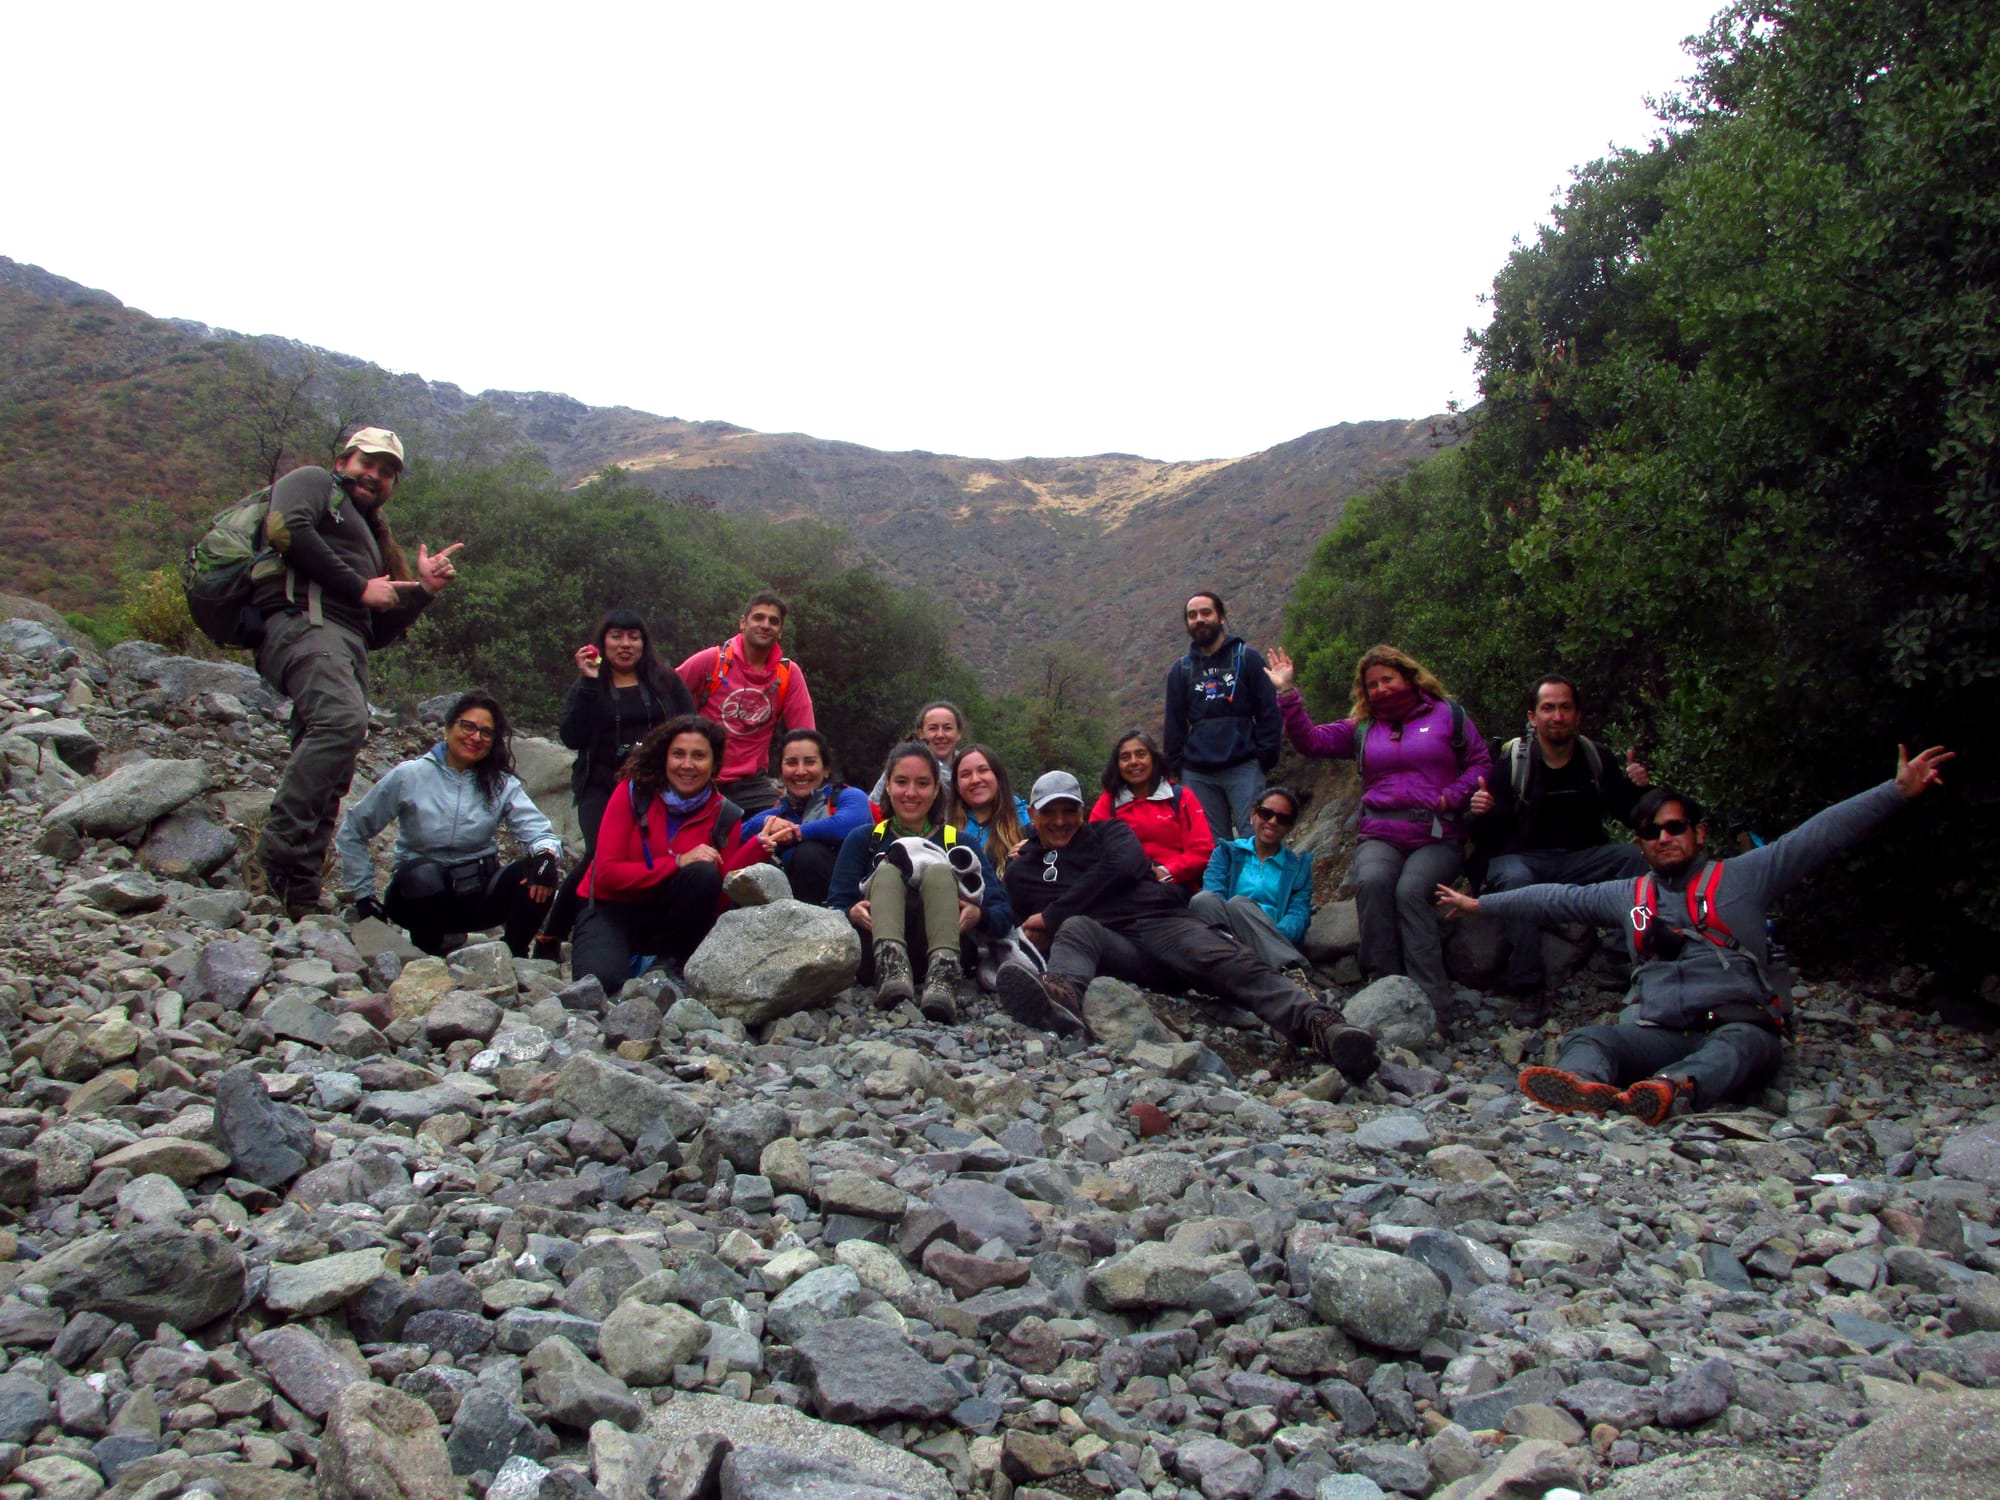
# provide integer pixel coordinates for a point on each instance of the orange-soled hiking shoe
(1651, 1100)
(1567, 1094)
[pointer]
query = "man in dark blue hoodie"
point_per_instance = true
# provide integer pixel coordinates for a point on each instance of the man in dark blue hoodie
(1221, 730)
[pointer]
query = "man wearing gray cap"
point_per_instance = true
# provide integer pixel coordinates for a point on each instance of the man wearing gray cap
(345, 589)
(1087, 895)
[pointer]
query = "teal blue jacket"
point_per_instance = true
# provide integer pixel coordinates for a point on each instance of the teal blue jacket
(1225, 869)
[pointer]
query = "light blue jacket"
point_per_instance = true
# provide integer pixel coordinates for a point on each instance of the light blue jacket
(1295, 868)
(439, 814)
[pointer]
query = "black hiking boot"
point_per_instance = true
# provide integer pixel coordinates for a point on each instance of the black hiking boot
(1350, 1049)
(1041, 1003)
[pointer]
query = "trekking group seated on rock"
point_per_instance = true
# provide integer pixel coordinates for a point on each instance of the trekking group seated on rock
(947, 874)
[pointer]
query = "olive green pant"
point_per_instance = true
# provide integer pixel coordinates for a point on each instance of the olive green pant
(888, 906)
(323, 669)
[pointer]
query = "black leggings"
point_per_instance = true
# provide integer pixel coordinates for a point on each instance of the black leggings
(667, 921)
(810, 870)
(428, 919)
(560, 920)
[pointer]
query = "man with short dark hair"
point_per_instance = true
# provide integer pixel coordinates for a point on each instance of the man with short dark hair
(1086, 894)
(1541, 820)
(343, 590)
(752, 690)
(1221, 730)
(1707, 1016)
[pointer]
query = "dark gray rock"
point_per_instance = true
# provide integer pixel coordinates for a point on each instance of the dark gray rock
(1484, 1411)
(863, 1371)
(1623, 1406)
(1697, 1394)
(25, 1408)
(151, 1274)
(187, 845)
(228, 973)
(488, 1429)
(576, 1392)
(268, 1143)
(131, 797)
(593, 1087)
(307, 1370)
(978, 1212)
(1379, 1298)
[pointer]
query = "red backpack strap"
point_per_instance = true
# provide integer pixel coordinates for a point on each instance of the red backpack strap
(1640, 918)
(783, 685)
(1707, 920)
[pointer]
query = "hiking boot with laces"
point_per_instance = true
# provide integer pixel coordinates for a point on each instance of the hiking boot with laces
(1046, 1002)
(1350, 1049)
(1567, 1094)
(893, 982)
(940, 997)
(1652, 1100)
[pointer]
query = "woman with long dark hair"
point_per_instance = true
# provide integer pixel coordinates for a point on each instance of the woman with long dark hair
(804, 832)
(984, 805)
(447, 805)
(654, 887)
(622, 690)
(1172, 828)
(1421, 759)
(910, 854)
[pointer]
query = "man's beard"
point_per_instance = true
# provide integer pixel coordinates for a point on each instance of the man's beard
(1205, 636)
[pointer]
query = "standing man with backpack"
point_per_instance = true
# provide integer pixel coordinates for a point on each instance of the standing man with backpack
(344, 590)
(751, 689)
(1221, 727)
(1707, 1017)
(1540, 819)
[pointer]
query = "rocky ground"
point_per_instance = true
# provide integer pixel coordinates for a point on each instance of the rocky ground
(290, 1208)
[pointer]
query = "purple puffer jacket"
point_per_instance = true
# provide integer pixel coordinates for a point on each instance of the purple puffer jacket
(1405, 771)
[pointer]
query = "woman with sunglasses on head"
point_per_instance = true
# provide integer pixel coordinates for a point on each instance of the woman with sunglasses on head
(1421, 758)
(1172, 828)
(813, 818)
(622, 690)
(913, 909)
(1262, 891)
(447, 804)
(654, 888)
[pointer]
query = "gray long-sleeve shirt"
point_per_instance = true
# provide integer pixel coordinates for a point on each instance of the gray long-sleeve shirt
(439, 814)
(1683, 990)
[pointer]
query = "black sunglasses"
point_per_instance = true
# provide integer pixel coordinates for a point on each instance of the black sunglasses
(473, 731)
(1671, 827)
(1282, 819)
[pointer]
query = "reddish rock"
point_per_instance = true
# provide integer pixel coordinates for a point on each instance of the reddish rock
(1150, 1119)
(967, 1274)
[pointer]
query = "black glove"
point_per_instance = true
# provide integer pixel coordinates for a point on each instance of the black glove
(368, 907)
(544, 869)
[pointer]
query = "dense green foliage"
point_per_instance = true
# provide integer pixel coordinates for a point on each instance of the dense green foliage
(1734, 469)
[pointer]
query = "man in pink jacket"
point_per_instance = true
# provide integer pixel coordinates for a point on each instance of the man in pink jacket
(751, 689)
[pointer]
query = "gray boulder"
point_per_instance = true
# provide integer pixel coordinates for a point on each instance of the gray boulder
(592, 1087)
(120, 891)
(186, 845)
(183, 679)
(1382, 1299)
(1395, 1011)
(1334, 933)
(1942, 1447)
(153, 1274)
(821, 1454)
(131, 797)
(575, 1392)
(1475, 950)
(1119, 1016)
(762, 962)
(268, 1143)
(380, 1444)
(1973, 1154)
(39, 771)
(228, 973)
(757, 885)
(30, 638)
(862, 1371)
(71, 741)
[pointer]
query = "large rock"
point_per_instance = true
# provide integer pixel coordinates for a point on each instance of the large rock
(982, 1211)
(306, 1288)
(268, 1143)
(544, 767)
(1154, 1274)
(1395, 1011)
(187, 845)
(182, 679)
(822, 1453)
(489, 1430)
(1942, 1447)
(228, 973)
(311, 1372)
(382, 1445)
(1119, 1016)
(591, 1087)
(1334, 933)
(762, 962)
(641, 1343)
(73, 742)
(1973, 1155)
(575, 1392)
(118, 891)
(153, 1274)
(862, 1371)
(38, 770)
(817, 1298)
(30, 638)
(131, 797)
(1382, 1299)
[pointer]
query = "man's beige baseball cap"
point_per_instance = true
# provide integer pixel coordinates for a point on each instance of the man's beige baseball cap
(375, 440)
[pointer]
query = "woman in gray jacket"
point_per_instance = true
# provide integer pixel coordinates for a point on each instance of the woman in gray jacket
(447, 805)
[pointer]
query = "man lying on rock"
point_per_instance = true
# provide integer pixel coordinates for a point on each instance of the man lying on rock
(1706, 1021)
(1087, 895)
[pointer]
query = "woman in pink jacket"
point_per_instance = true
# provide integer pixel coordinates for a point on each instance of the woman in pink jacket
(1420, 759)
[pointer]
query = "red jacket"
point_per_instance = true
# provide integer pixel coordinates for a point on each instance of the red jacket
(619, 871)
(1172, 829)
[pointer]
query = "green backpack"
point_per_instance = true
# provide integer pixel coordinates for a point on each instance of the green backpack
(234, 554)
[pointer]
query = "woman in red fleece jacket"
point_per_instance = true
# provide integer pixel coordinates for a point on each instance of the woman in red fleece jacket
(1172, 828)
(667, 839)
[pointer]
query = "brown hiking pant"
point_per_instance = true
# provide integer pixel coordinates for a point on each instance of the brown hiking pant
(323, 669)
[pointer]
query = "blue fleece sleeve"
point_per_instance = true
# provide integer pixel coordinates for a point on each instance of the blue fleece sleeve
(843, 888)
(1216, 877)
(996, 912)
(1299, 908)
(851, 811)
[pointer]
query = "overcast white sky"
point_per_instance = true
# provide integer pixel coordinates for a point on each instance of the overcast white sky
(1179, 230)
